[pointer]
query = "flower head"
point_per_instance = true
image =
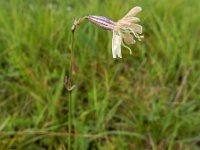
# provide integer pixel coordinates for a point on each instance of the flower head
(123, 30)
(126, 29)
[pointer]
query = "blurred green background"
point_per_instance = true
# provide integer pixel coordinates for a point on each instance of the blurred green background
(148, 100)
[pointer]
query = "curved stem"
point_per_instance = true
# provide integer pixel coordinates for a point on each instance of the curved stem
(78, 22)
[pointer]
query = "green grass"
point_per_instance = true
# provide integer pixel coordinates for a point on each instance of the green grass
(148, 100)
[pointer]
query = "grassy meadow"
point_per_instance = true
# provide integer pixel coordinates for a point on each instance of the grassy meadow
(147, 100)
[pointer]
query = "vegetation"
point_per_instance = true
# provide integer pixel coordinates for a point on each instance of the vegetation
(148, 100)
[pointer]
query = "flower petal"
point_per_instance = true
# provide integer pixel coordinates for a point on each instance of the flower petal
(127, 21)
(132, 19)
(128, 38)
(137, 28)
(116, 45)
(134, 11)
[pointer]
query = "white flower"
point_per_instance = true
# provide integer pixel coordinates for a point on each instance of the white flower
(125, 30)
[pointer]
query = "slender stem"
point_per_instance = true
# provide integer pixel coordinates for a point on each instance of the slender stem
(70, 83)
(70, 93)
(70, 121)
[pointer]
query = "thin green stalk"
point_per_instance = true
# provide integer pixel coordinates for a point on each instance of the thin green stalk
(69, 120)
(70, 93)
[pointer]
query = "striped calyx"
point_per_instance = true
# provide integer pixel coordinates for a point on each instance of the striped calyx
(102, 22)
